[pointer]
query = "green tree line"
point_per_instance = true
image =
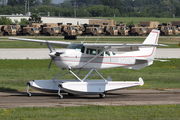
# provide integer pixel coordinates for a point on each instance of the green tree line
(96, 8)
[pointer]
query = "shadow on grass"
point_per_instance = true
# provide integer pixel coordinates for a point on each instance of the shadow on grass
(6, 89)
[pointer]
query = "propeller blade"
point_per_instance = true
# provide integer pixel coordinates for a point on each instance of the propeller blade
(49, 65)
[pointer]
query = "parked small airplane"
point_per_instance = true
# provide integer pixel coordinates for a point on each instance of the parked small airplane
(89, 56)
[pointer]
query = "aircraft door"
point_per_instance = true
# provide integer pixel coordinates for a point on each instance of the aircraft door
(107, 57)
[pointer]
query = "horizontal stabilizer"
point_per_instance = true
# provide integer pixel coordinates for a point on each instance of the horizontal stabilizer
(161, 60)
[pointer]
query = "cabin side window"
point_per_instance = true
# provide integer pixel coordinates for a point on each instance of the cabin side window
(90, 51)
(99, 52)
(107, 53)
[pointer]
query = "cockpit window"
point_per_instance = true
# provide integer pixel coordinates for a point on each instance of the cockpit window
(72, 28)
(35, 29)
(143, 29)
(13, 27)
(77, 46)
(55, 28)
(175, 28)
(170, 28)
(115, 28)
(98, 28)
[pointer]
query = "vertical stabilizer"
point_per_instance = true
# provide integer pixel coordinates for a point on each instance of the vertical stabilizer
(152, 37)
(145, 56)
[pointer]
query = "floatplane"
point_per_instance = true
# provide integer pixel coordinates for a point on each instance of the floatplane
(92, 57)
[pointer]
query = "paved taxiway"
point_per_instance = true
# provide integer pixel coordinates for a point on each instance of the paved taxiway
(116, 98)
(43, 53)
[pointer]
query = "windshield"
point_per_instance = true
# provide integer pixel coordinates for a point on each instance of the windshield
(77, 46)
(143, 29)
(72, 28)
(175, 28)
(35, 29)
(98, 28)
(78, 29)
(170, 28)
(13, 27)
(55, 28)
(125, 28)
(115, 28)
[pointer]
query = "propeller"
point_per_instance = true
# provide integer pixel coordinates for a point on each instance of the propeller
(49, 65)
(53, 54)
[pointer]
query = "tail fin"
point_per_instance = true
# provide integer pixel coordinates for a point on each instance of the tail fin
(147, 55)
(152, 37)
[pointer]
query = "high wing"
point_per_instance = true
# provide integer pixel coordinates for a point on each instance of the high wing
(149, 42)
(60, 44)
(123, 47)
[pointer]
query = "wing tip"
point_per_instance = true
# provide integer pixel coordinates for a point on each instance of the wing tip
(141, 82)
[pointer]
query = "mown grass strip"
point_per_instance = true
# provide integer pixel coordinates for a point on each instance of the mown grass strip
(14, 74)
(145, 112)
(173, 42)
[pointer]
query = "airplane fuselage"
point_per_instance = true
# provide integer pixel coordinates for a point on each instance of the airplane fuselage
(75, 59)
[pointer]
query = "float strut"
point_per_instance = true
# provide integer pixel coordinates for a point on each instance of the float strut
(27, 90)
(59, 92)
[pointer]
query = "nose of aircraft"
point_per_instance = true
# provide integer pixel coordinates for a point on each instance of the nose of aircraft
(54, 54)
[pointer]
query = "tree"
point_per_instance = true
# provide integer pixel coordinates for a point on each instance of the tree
(66, 4)
(46, 2)
(83, 12)
(5, 21)
(45, 9)
(12, 2)
(85, 2)
(22, 2)
(24, 21)
(115, 4)
(34, 18)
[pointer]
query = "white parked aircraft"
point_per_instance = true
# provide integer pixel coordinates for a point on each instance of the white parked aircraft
(80, 56)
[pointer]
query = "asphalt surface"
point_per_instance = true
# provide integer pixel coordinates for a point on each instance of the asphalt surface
(43, 53)
(116, 98)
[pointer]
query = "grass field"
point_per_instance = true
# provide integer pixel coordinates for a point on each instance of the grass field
(148, 112)
(172, 42)
(14, 74)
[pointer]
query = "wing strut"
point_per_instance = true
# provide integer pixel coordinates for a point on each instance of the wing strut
(96, 72)
(95, 57)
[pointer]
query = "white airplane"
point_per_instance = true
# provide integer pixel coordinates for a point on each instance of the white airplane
(86, 56)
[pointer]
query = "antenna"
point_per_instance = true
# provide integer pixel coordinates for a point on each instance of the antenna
(97, 40)
(84, 39)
